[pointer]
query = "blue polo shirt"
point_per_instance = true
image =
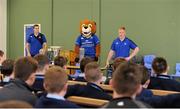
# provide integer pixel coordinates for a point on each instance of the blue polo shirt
(89, 45)
(36, 43)
(122, 48)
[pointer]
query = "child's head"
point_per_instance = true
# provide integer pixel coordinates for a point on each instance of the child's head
(84, 62)
(93, 72)
(25, 69)
(55, 80)
(117, 62)
(159, 65)
(126, 79)
(7, 67)
(60, 61)
(43, 62)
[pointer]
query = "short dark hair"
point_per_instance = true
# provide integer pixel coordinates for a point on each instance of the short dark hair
(117, 62)
(55, 79)
(145, 74)
(126, 78)
(89, 74)
(122, 28)
(60, 61)
(24, 67)
(84, 62)
(35, 25)
(42, 60)
(159, 65)
(1, 53)
(7, 67)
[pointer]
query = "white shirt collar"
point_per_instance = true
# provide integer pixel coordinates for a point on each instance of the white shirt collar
(6, 79)
(55, 96)
(81, 75)
(40, 73)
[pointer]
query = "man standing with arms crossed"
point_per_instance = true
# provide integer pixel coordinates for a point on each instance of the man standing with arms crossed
(121, 47)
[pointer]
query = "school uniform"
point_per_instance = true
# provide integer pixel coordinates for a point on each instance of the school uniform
(18, 90)
(54, 101)
(145, 93)
(6, 80)
(164, 82)
(125, 102)
(168, 101)
(90, 90)
(38, 84)
(81, 78)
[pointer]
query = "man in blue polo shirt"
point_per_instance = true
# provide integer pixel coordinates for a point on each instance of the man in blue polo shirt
(121, 47)
(36, 42)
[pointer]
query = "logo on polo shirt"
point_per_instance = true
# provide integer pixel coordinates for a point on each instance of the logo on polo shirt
(117, 43)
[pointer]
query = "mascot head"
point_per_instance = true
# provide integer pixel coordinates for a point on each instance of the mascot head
(87, 28)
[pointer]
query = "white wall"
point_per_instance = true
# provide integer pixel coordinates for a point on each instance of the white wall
(3, 24)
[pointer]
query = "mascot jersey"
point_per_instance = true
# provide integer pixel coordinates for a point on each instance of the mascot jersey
(89, 44)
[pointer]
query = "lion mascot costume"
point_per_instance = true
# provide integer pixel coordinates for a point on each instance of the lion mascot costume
(87, 40)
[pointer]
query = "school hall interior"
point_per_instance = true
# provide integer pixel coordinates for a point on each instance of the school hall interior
(152, 26)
